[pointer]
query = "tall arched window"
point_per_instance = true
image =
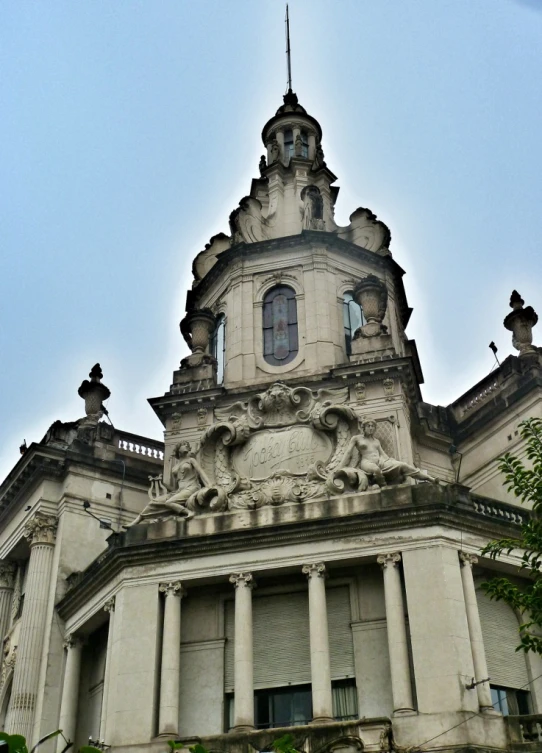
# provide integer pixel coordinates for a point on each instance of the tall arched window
(280, 338)
(288, 144)
(353, 319)
(218, 346)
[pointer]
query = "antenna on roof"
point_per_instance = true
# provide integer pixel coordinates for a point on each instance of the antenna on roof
(288, 50)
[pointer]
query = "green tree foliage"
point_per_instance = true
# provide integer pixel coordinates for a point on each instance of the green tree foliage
(17, 743)
(526, 483)
(284, 744)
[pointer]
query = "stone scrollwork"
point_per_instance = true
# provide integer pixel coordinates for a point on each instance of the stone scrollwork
(243, 580)
(41, 529)
(172, 588)
(315, 570)
(7, 574)
(285, 445)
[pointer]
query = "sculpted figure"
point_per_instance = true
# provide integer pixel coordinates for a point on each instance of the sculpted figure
(374, 461)
(188, 478)
(312, 208)
(274, 151)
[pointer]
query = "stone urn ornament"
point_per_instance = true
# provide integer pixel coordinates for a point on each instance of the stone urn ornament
(520, 321)
(196, 329)
(372, 295)
(94, 393)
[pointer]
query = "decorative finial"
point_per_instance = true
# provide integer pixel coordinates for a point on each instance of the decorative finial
(520, 321)
(94, 393)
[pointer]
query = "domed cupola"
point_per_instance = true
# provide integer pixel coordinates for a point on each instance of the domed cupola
(292, 133)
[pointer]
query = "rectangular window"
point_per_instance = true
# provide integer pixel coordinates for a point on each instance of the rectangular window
(509, 701)
(292, 706)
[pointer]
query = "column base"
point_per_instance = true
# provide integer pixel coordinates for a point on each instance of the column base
(322, 720)
(405, 712)
(171, 735)
(489, 711)
(243, 728)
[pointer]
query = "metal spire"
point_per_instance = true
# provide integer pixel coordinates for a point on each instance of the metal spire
(288, 51)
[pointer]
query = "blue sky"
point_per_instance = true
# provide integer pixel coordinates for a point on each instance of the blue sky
(130, 130)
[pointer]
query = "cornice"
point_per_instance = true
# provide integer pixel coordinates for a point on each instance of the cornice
(306, 239)
(452, 507)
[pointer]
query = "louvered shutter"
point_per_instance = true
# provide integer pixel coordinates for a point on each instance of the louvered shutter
(281, 639)
(341, 647)
(506, 667)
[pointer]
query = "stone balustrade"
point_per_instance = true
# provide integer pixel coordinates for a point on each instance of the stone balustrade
(525, 729)
(139, 446)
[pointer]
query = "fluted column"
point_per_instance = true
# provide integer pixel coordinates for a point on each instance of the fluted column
(41, 534)
(109, 607)
(7, 580)
(168, 723)
(475, 631)
(70, 690)
(322, 705)
(243, 655)
(397, 637)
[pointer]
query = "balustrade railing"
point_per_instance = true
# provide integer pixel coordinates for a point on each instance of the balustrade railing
(500, 510)
(526, 728)
(140, 446)
(477, 396)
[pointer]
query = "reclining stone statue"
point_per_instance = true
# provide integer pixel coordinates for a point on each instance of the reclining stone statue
(188, 479)
(366, 452)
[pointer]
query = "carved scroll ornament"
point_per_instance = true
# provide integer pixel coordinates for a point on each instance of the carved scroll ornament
(284, 445)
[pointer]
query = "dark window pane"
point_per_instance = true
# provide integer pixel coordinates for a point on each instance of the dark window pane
(281, 337)
(267, 342)
(294, 345)
(268, 314)
(292, 311)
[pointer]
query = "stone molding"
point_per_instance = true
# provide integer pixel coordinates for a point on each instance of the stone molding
(243, 579)
(314, 570)
(72, 641)
(109, 605)
(391, 558)
(7, 574)
(172, 588)
(41, 529)
(467, 559)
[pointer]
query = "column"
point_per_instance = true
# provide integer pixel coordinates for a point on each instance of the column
(322, 705)
(475, 631)
(243, 660)
(397, 637)
(168, 723)
(70, 690)
(41, 534)
(7, 580)
(109, 607)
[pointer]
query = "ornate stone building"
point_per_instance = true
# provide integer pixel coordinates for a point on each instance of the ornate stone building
(307, 555)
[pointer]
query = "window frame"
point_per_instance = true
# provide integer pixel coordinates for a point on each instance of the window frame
(219, 355)
(350, 324)
(270, 324)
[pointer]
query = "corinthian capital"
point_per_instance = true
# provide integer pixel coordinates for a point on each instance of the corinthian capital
(7, 574)
(243, 580)
(109, 605)
(468, 559)
(390, 559)
(172, 588)
(41, 529)
(315, 570)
